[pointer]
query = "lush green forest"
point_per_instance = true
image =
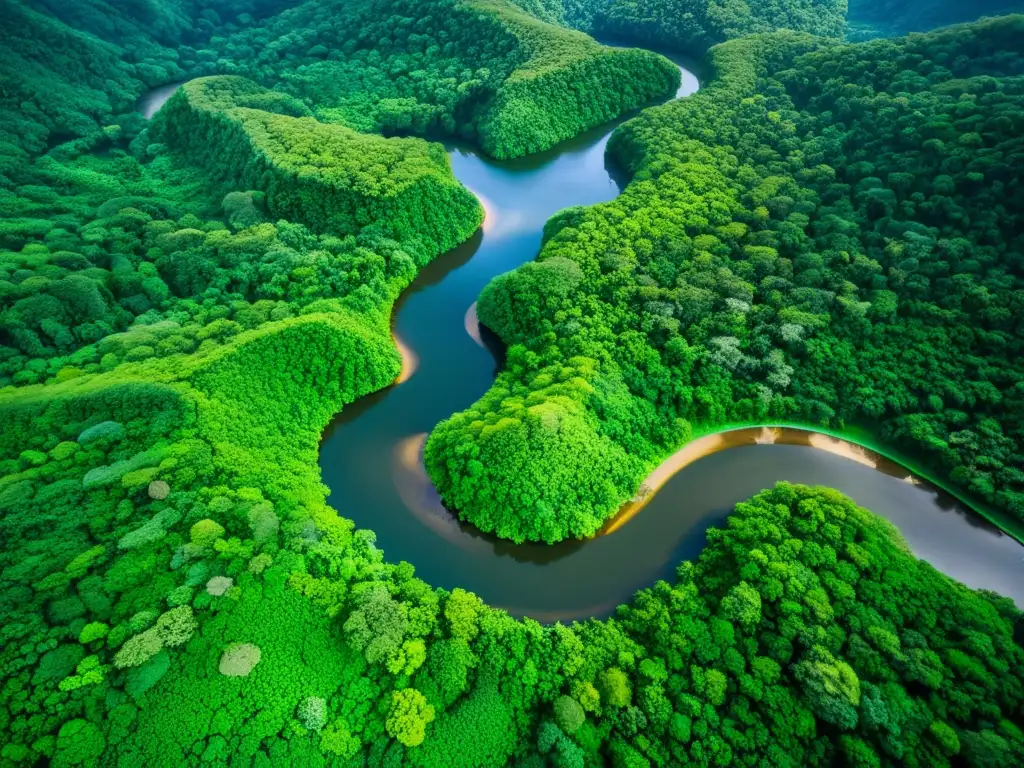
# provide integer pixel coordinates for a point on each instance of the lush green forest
(71, 68)
(185, 304)
(691, 25)
(828, 233)
(179, 620)
(881, 18)
(481, 69)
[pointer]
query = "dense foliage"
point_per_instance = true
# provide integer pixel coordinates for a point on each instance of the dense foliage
(180, 620)
(327, 176)
(67, 285)
(880, 18)
(828, 233)
(683, 24)
(184, 307)
(72, 67)
(691, 25)
(481, 69)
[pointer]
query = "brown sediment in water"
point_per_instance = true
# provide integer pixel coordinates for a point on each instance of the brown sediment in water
(843, 448)
(720, 441)
(472, 323)
(689, 453)
(410, 360)
(421, 498)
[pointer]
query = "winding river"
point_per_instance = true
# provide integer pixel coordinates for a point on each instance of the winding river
(371, 455)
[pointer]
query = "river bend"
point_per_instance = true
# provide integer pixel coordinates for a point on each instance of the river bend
(371, 455)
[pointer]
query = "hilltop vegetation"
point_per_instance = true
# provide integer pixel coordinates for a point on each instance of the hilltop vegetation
(877, 18)
(682, 24)
(327, 176)
(480, 69)
(691, 25)
(827, 233)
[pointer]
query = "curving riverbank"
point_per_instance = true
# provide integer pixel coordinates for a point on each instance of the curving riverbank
(854, 445)
(573, 579)
(371, 456)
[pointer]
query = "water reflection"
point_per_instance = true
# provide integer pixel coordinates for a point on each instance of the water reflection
(151, 101)
(423, 501)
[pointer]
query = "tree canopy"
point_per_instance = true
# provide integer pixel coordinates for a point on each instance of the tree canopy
(828, 233)
(185, 305)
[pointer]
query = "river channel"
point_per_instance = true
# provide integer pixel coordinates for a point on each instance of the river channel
(371, 455)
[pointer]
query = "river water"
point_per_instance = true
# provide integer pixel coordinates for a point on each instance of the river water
(151, 101)
(371, 455)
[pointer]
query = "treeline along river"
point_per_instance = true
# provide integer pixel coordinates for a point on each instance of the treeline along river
(371, 456)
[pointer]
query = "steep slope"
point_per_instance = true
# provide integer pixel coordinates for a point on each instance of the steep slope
(327, 176)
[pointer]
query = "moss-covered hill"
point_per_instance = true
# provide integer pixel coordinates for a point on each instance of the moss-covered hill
(329, 177)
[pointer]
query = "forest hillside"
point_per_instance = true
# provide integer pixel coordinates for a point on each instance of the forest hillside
(874, 18)
(827, 234)
(481, 69)
(691, 25)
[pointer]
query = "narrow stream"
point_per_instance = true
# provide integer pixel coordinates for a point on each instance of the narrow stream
(371, 455)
